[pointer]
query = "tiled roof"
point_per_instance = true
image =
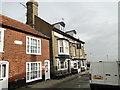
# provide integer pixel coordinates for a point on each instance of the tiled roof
(18, 25)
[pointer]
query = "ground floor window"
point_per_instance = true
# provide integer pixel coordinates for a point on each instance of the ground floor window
(33, 71)
(75, 65)
(62, 64)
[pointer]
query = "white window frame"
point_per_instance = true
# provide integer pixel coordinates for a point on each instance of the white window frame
(37, 69)
(2, 40)
(37, 53)
(64, 47)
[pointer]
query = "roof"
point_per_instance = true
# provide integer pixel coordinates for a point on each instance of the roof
(61, 23)
(67, 35)
(7, 22)
(71, 31)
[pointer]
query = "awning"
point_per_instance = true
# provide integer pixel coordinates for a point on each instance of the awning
(63, 56)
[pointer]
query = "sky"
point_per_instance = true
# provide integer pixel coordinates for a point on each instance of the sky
(96, 22)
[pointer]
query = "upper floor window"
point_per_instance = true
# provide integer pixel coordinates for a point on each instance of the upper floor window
(78, 46)
(1, 39)
(63, 47)
(33, 45)
(74, 51)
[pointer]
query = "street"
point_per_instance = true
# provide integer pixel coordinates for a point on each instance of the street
(79, 82)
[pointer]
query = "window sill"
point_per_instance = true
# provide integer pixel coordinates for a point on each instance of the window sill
(33, 54)
(63, 54)
(27, 81)
(1, 51)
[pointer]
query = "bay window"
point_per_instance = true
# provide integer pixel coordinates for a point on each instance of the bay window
(33, 45)
(63, 47)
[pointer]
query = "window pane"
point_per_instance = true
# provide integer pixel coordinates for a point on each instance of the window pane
(4, 70)
(38, 46)
(66, 47)
(61, 46)
(28, 67)
(27, 75)
(61, 43)
(74, 51)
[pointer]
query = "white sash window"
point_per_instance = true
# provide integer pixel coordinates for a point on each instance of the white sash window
(33, 45)
(33, 71)
(1, 39)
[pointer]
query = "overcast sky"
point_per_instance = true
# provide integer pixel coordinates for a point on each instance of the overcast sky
(96, 23)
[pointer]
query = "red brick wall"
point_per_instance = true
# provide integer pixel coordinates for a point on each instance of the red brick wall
(16, 54)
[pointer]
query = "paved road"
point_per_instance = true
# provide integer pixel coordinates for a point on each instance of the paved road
(79, 82)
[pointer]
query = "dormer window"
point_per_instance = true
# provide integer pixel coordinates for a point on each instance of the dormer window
(72, 33)
(60, 26)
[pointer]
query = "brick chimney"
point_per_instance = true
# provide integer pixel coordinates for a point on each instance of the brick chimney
(32, 10)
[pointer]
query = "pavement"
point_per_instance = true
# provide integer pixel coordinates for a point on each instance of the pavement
(52, 82)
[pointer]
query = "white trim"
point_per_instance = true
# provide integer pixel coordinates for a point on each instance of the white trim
(30, 45)
(2, 40)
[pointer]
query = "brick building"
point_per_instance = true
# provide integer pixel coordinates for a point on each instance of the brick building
(25, 49)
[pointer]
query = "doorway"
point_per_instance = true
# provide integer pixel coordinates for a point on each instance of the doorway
(47, 69)
(69, 67)
(4, 69)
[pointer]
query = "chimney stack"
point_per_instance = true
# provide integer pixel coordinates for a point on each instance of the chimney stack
(32, 11)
